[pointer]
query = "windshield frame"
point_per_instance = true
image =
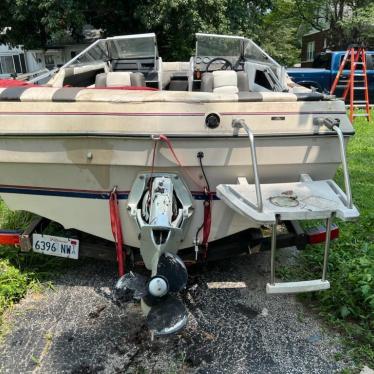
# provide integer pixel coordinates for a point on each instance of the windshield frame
(106, 41)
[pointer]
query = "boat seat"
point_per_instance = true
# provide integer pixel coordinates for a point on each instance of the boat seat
(120, 79)
(225, 81)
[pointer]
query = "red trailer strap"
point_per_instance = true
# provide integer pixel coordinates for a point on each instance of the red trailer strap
(10, 237)
(115, 221)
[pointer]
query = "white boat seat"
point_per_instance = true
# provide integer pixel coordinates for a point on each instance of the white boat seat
(120, 79)
(225, 81)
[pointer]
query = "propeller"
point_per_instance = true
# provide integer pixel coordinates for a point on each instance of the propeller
(130, 286)
(168, 317)
(165, 313)
(174, 270)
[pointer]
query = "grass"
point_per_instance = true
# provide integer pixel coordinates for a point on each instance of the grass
(349, 304)
(22, 272)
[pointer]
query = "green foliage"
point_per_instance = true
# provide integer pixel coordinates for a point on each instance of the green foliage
(275, 24)
(359, 26)
(348, 21)
(279, 32)
(34, 22)
(176, 21)
(13, 284)
(20, 272)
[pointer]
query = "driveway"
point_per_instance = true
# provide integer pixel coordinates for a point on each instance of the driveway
(234, 327)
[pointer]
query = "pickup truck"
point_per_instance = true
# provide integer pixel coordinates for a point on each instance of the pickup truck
(325, 67)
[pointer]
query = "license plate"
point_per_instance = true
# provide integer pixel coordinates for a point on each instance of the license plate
(55, 246)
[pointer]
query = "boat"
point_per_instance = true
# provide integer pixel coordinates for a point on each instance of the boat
(168, 156)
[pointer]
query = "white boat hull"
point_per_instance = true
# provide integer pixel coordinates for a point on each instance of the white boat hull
(61, 160)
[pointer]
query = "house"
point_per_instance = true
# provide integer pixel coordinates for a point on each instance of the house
(16, 61)
(60, 51)
(312, 43)
(50, 58)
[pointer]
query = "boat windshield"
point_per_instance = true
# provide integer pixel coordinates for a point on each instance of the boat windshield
(138, 46)
(118, 47)
(97, 52)
(214, 45)
(218, 45)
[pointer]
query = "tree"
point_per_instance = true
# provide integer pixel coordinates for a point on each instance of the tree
(274, 24)
(343, 18)
(176, 21)
(358, 27)
(33, 22)
(280, 32)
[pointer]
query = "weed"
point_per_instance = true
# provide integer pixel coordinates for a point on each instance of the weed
(35, 360)
(21, 272)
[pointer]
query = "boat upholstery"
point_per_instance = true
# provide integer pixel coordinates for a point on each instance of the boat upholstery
(30, 93)
(78, 76)
(175, 75)
(120, 79)
(228, 81)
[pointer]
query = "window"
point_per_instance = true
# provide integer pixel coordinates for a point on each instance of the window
(13, 64)
(262, 80)
(310, 51)
(17, 64)
(369, 62)
(49, 60)
(23, 63)
(7, 64)
(322, 61)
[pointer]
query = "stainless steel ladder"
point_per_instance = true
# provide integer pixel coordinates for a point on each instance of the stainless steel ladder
(249, 200)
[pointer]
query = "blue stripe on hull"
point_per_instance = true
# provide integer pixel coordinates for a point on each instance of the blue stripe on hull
(103, 195)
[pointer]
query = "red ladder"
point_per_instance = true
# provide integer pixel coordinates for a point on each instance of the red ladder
(357, 58)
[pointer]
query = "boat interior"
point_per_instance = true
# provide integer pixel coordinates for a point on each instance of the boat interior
(221, 64)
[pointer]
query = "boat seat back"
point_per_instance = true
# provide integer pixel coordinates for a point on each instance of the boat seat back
(120, 79)
(225, 81)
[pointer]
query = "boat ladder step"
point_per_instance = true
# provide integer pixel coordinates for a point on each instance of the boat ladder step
(270, 203)
(297, 287)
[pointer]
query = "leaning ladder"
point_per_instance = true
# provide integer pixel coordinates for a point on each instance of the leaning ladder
(316, 200)
(354, 81)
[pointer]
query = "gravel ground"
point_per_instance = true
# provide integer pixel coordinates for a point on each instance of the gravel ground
(76, 328)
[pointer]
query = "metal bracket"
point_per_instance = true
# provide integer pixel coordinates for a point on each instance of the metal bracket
(334, 125)
(25, 240)
(240, 123)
